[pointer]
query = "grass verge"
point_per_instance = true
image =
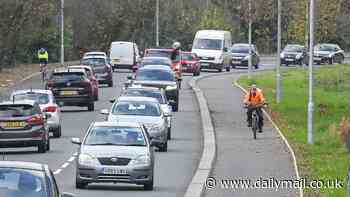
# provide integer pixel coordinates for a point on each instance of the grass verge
(328, 158)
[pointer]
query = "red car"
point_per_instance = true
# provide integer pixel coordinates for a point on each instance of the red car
(92, 77)
(171, 54)
(190, 63)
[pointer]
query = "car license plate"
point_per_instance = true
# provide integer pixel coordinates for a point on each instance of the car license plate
(289, 60)
(236, 62)
(204, 64)
(317, 58)
(114, 171)
(14, 124)
(68, 93)
(115, 61)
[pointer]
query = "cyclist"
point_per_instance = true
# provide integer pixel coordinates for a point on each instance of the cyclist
(43, 57)
(255, 100)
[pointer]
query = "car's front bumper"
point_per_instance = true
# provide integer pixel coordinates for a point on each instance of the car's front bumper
(320, 60)
(136, 175)
(239, 62)
(211, 65)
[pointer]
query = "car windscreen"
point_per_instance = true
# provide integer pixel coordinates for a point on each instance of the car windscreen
(240, 49)
(9, 111)
(40, 98)
(211, 44)
(68, 76)
(136, 108)
(20, 183)
(121, 136)
(156, 62)
(146, 93)
(291, 48)
(188, 56)
(94, 61)
(154, 75)
(325, 47)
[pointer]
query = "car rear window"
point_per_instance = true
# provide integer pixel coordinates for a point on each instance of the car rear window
(40, 98)
(21, 182)
(146, 93)
(154, 75)
(8, 111)
(68, 76)
(136, 109)
(94, 61)
(188, 56)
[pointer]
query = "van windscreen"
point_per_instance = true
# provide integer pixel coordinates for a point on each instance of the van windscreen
(211, 44)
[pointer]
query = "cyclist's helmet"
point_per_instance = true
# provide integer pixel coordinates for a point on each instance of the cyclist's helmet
(176, 45)
(253, 86)
(42, 50)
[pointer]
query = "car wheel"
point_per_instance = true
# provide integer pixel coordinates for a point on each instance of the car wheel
(48, 144)
(91, 106)
(96, 97)
(149, 185)
(57, 132)
(164, 147)
(169, 133)
(42, 147)
(110, 84)
(79, 184)
(228, 69)
(330, 61)
(256, 66)
(220, 70)
(233, 66)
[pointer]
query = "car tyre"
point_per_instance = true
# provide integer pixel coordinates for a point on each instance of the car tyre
(42, 147)
(91, 106)
(220, 70)
(228, 69)
(110, 84)
(233, 66)
(256, 66)
(169, 133)
(57, 132)
(48, 144)
(79, 184)
(96, 97)
(164, 147)
(176, 107)
(149, 185)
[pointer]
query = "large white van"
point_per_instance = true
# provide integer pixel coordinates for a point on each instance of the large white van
(124, 55)
(212, 47)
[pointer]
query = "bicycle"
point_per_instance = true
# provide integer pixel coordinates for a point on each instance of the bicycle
(43, 65)
(255, 119)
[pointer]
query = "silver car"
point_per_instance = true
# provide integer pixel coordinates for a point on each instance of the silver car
(159, 94)
(47, 104)
(144, 110)
(117, 152)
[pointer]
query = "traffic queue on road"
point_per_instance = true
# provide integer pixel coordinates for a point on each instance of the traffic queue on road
(119, 149)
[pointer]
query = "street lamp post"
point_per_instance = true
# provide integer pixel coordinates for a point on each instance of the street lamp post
(278, 70)
(250, 40)
(311, 52)
(62, 32)
(157, 23)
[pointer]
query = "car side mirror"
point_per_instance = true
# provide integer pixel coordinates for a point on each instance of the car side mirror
(104, 112)
(112, 100)
(225, 49)
(130, 77)
(67, 195)
(76, 140)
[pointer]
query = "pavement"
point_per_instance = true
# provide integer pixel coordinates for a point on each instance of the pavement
(240, 157)
(173, 170)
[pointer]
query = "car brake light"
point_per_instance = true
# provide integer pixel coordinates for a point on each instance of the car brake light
(50, 109)
(177, 67)
(36, 120)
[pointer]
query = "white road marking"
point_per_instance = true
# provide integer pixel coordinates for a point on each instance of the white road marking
(66, 164)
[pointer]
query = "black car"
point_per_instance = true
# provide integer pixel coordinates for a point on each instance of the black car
(26, 179)
(22, 124)
(328, 53)
(294, 54)
(161, 77)
(240, 55)
(72, 87)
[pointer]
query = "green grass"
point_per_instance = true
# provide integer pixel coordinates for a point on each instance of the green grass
(328, 158)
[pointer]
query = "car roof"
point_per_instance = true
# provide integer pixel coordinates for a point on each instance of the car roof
(116, 124)
(80, 67)
(41, 91)
(22, 165)
(95, 52)
(156, 67)
(137, 99)
(94, 57)
(140, 87)
(19, 102)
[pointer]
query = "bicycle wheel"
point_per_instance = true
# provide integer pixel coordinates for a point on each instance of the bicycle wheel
(254, 124)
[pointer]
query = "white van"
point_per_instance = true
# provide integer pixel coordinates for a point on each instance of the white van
(124, 55)
(212, 47)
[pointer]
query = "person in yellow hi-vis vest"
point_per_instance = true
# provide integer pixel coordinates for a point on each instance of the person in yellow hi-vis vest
(43, 57)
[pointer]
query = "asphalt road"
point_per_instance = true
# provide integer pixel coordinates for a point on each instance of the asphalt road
(173, 170)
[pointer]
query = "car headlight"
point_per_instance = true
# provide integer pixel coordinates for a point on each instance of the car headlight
(141, 160)
(88, 160)
(173, 87)
(298, 56)
(246, 57)
(282, 55)
(330, 55)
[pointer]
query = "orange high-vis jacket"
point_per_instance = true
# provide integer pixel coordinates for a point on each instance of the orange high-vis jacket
(258, 99)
